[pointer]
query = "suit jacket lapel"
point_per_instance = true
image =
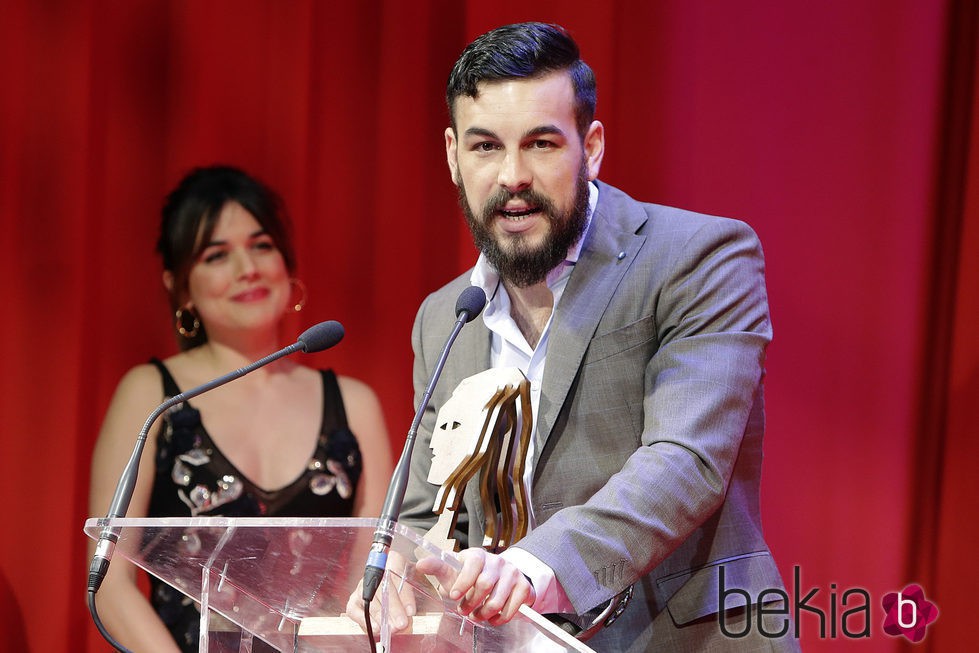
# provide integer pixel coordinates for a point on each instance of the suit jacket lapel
(470, 352)
(609, 250)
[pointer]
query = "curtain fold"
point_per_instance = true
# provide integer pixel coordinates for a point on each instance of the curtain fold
(946, 528)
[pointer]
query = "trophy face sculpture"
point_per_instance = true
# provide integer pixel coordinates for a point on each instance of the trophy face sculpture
(484, 428)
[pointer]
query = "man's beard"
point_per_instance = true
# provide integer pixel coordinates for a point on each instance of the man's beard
(516, 261)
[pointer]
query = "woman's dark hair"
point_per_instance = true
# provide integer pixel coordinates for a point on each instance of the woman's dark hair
(523, 50)
(190, 214)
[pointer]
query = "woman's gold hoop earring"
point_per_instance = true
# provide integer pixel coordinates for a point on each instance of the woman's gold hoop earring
(298, 306)
(181, 328)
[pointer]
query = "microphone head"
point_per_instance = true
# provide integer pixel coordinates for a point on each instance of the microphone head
(322, 336)
(471, 302)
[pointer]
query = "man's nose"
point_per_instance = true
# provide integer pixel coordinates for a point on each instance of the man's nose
(515, 174)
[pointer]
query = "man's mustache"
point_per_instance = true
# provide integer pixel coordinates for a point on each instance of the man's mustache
(502, 197)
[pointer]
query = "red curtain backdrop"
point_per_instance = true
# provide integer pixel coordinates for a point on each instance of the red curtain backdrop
(823, 125)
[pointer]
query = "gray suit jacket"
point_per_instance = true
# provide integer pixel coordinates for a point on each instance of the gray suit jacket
(650, 422)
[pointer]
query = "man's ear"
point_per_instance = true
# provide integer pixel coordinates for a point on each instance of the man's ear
(594, 145)
(451, 154)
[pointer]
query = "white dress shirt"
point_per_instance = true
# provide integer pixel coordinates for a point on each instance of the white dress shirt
(509, 348)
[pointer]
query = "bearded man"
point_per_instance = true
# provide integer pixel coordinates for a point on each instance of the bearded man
(642, 330)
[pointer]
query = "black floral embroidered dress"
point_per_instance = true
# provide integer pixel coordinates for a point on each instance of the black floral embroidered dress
(193, 478)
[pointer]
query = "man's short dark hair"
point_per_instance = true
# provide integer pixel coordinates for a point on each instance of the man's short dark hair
(523, 50)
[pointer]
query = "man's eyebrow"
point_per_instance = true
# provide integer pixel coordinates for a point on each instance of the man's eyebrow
(480, 132)
(545, 130)
(541, 130)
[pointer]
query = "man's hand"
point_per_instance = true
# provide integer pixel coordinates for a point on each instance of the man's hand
(488, 587)
(401, 605)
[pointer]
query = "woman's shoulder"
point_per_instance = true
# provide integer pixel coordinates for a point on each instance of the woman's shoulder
(138, 392)
(140, 379)
(363, 408)
(355, 391)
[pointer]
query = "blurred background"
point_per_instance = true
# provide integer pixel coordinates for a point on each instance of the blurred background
(843, 131)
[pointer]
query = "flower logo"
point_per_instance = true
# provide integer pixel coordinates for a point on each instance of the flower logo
(908, 613)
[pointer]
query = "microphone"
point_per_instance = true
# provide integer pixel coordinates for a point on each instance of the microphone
(317, 338)
(468, 306)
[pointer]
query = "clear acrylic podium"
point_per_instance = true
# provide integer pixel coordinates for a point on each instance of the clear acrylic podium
(285, 582)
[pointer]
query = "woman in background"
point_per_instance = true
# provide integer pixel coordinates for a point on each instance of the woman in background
(285, 440)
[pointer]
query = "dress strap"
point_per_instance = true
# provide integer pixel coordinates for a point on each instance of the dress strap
(333, 410)
(170, 387)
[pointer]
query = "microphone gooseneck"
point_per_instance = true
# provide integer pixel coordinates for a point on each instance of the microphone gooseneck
(317, 338)
(468, 306)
